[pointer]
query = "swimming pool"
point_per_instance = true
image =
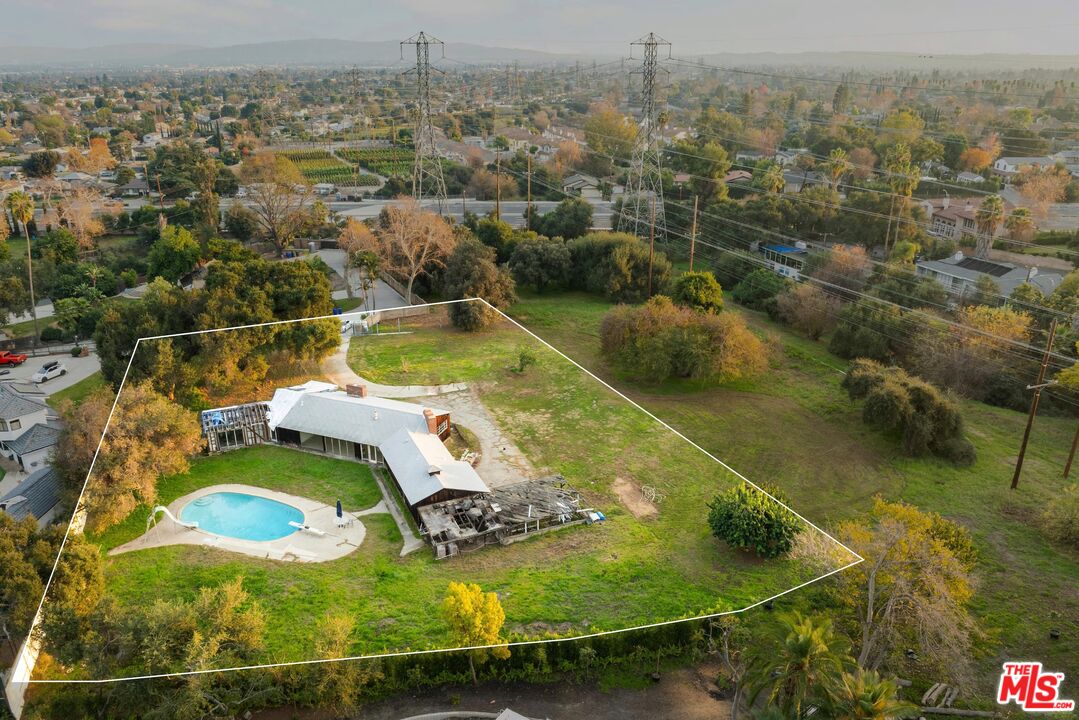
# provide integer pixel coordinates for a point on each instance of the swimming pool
(242, 516)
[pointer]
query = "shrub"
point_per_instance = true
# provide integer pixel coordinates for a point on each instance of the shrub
(808, 309)
(540, 263)
(616, 265)
(928, 421)
(52, 334)
(868, 332)
(698, 290)
(77, 351)
(747, 519)
(1060, 519)
(660, 340)
(471, 273)
(129, 277)
(758, 288)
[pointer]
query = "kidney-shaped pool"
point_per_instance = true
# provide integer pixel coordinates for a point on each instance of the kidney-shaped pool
(242, 516)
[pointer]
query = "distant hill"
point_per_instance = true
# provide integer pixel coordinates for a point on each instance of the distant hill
(332, 52)
(289, 52)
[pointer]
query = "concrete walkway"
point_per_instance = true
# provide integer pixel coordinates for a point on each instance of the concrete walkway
(411, 542)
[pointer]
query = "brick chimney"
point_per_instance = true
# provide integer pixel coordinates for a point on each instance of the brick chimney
(357, 390)
(432, 425)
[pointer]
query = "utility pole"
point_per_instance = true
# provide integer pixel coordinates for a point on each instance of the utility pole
(651, 246)
(498, 185)
(1071, 454)
(427, 179)
(693, 233)
(645, 179)
(1037, 387)
(160, 197)
(528, 203)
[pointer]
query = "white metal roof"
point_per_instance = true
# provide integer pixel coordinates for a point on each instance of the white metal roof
(322, 409)
(423, 466)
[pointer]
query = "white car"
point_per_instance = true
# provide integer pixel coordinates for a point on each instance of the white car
(48, 371)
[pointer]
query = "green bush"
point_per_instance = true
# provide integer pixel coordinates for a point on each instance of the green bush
(616, 265)
(759, 289)
(52, 334)
(1060, 519)
(698, 290)
(130, 278)
(747, 519)
(895, 401)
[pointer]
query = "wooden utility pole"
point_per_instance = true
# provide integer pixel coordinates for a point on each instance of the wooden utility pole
(1071, 454)
(498, 185)
(1037, 387)
(528, 204)
(693, 233)
(651, 245)
(160, 197)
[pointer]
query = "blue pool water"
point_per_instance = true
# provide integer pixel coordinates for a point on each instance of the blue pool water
(243, 516)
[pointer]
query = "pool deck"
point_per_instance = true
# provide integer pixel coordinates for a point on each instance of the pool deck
(300, 546)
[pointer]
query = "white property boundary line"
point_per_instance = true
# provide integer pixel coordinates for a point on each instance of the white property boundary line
(405, 653)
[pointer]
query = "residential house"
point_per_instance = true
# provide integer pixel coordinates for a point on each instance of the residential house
(582, 185)
(797, 180)
(136, 188)
(37, 496)
(960, 275)
(1070, 158)
(956, 221)
(789, 157)
(32, 448)
(18, 413)
(969, 177)
(1010, 166)
(738, 176)
(406, 438)
(748, 157)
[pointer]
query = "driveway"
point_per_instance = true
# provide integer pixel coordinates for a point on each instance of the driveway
(77, 369)
(382, 295)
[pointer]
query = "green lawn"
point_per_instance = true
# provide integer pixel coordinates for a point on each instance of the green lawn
(628, 571)
(79, 391)
(795, 428)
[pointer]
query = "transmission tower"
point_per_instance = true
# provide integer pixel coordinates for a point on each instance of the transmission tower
(427, 180)
(642, 205)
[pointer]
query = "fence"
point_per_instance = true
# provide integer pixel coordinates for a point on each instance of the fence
(401, 289)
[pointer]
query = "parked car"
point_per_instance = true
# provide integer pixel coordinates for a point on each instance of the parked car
(48, 371)
(9, 358)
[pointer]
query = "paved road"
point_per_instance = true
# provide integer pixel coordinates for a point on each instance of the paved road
(77, 369)
(512, 210)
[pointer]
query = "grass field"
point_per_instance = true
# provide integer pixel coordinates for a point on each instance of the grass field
(795, 428)
(79, 391)
(627, 571)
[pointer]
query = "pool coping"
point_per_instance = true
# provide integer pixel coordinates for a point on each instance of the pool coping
(299, 546)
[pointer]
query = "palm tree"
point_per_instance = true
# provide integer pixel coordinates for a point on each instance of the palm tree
(807, 663)
(865, 695)
(1020, 224)
(838, 165)
(21, 206)
(903, 179)
(772, 180)
(988, 218)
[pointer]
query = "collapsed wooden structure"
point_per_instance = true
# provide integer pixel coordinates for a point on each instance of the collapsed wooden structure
(502, 515)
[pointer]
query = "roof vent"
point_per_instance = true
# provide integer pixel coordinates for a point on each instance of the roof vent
(433, 470)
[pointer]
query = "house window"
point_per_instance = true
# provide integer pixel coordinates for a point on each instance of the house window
(3, 426)
(16, 424)
(443, 427)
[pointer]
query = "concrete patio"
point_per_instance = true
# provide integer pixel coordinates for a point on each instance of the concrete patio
(300, 546)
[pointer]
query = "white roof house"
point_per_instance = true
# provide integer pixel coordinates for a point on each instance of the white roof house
(423, 466)
(407, 435)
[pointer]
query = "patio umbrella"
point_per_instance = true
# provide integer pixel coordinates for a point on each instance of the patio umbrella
(340, 512)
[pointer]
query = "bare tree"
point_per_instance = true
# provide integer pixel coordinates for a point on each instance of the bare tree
(79, 210)
(413, 240)
(278, 195)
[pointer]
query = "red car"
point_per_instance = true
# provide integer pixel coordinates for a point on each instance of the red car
(10, 358)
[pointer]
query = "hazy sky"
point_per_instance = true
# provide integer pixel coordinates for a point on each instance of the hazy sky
(693, 26)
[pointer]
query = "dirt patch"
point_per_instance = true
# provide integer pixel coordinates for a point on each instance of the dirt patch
(631, 496)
